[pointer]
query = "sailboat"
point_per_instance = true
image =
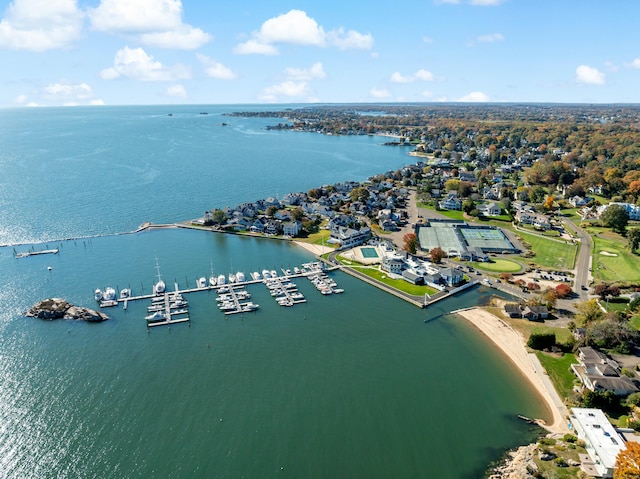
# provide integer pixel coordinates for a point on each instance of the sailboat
(159, 287)
(212, 279)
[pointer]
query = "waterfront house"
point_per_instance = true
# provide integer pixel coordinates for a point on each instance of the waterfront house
(291, 228)
(513, 310)
(452, 276)
(598, 372)
(535, 313)
(273, 227)
(348, 237)
(392, 263)
(602, 441)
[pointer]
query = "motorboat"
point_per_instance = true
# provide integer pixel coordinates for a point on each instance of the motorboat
(157, 316)
(232, 278)
(97, 295)
(250, 306)
(255, 275)
(213, 280)
(266, 274)
(202, 282)
(222, 279)
(274, 273)
(240, 278)
(338, 290)
(125, 293)
(109, 294)
(181, 303)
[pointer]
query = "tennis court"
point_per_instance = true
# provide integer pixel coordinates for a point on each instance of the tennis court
(489, 239)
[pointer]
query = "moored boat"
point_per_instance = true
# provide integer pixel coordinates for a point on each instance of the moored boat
(97, 295)
(125, 293)
(240, 278)
(202, 282)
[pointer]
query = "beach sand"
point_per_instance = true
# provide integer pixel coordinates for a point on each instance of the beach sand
(313, 248)
(512, 344)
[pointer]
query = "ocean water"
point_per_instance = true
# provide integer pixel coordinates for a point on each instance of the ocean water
(353, 385)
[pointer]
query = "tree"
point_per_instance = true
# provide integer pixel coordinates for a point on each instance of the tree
(549, 202)
(633, 237)
(410, 243)
(271, 210)
(437, 254)
(218, 216)
(468, 205)
(590, 312)
(297, 214)
(359, 194)
(628, 462)
(541, 341)
(616, 218)
(563, 290)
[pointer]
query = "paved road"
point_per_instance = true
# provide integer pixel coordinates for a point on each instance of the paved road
(583, 261)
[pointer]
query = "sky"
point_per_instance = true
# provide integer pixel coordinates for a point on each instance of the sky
(132, 52)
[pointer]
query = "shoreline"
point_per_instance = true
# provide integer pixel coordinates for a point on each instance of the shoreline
(510, 343)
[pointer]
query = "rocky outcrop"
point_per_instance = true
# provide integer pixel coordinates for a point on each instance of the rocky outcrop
(56, 308)
(519, 465)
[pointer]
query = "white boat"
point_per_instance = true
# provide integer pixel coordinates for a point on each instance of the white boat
(202, 282)
(250, 306)
(97, 295)
(255, 275)
(109, 294)
(159, 287)
(223, 289)
(232, 278)
(157, 316)
(274, 273)
(338, 290)
(240, 278)
(297, 296)
(222, 279)
(213, 280)
(296, 270)
(266, 274)
(181, 303)
(227, 307)
(125, 293)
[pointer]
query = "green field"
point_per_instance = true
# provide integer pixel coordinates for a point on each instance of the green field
(550, 253)
(499, 265)
(612, 260)
(559, 371)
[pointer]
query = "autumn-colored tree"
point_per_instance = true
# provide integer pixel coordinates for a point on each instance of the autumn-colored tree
(437, 254)
(410, 243)
(634, 188)
(563, 290)
(628, 462)
(548, 202)
(506, 277)
(531, 286)
(590, 312)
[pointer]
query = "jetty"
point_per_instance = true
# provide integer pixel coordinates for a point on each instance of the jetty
(25, 254)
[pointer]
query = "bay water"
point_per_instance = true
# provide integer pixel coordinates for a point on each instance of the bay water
(358, 385)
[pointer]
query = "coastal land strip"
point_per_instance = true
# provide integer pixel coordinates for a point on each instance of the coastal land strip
(511, 343)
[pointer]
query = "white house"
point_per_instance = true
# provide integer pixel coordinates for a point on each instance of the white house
(602, 441)
(490, 209)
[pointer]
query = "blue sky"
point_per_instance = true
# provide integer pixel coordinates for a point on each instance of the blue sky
(118, 52)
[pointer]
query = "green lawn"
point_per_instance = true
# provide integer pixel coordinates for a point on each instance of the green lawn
(499, 265)
(559, 371)
(399, 284)
(612, 260)
(318, 238)
(550, 253)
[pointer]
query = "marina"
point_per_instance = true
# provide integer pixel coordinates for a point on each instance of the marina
(170, 307)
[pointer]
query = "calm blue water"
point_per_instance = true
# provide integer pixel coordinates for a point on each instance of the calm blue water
(355, 385)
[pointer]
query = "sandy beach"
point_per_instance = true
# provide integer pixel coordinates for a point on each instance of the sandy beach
(313, 248)
(512, 344)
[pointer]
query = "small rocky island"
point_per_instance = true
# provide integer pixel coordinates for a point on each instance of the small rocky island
(56, 308)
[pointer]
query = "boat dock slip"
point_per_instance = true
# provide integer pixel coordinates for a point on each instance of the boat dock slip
(169, 307)
(25, 254)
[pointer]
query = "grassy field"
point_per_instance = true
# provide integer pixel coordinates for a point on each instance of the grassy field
(612, 260)
(399, 284)
(318, 238)
(550, 253)
(559, 370)
(499, 265)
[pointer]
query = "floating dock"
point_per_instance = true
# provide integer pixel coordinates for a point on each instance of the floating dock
(25, 254)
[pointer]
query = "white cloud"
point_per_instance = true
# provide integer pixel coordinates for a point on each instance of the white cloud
(96, 103)
(134, 63)
(475, 96)
(379, 93)
(254, 47)
(352, 40)
(427, 39)
(490, 38)
(634, 64)
(297, 28)
(177, 91)
(38, 25)
(612, 67)
(217, 70)
(316, 72)
(81, 91)
(20, 99)
(420, 75)
(288, 89)
(158, 22)
(589, 75)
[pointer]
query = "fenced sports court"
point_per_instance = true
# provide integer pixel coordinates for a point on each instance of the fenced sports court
(456, 237)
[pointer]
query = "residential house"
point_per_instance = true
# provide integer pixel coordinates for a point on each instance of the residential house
(392, 263)
(258, 225)
(513, 310)
(535, 313)
(451, 202)
(452, 276)
(579, 201)
(601, 373)
(490, 209)
(534, 219)
(602, 442)
(633, 210)
(348, 237)
(273, 227)
(291, 228)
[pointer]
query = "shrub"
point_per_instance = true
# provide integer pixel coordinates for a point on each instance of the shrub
(569, 438)
(541, 341)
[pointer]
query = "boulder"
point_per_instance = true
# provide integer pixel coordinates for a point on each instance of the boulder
(56, 308)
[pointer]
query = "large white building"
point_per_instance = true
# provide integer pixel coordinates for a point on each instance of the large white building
(602, 441)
